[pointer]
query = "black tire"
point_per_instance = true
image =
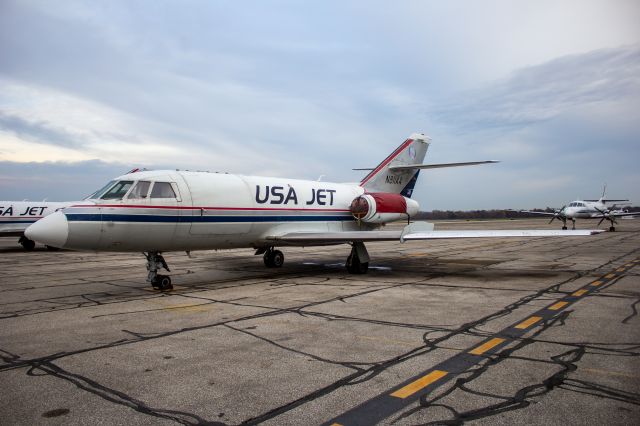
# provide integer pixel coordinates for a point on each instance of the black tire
(354, 266)
(277, 259)
(164, 283)
(612, 229)
(27, 244)
(267, 259)
(564, 228)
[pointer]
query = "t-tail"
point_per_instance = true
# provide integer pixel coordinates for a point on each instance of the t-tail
(398, 172)
(392, 174)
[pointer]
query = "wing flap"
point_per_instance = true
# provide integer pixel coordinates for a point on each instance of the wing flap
(302, 238)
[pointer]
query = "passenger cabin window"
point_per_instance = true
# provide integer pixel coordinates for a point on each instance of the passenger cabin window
(118, 190)
(140, 190)
(162, 190)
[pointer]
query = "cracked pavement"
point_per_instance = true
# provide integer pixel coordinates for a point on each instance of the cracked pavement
(85, 339)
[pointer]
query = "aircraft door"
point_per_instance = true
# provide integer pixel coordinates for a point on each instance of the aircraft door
(221, 205)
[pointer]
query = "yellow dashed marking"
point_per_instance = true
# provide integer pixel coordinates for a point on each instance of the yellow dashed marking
(557, 306)
(620, 269)
(421, 383)
(579, 293)
(336, 424)
(596, 283)
(486, 346)
(610, 275)
(528, 322)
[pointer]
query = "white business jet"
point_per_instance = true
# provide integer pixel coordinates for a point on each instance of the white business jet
(165, 210)
(588, 209)
(16, 216)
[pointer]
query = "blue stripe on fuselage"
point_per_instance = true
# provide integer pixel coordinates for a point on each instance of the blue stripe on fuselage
(17, 221)
(201, 219)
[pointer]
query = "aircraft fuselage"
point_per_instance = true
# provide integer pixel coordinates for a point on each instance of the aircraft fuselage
(206, 211)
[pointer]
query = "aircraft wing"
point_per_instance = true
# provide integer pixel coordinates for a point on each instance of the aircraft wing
(302, 238)
(534, 212)
(600, 216)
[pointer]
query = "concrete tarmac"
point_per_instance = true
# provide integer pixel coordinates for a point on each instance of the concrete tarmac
(530, 331)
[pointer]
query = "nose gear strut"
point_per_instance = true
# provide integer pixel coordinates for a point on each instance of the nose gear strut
(155, 261)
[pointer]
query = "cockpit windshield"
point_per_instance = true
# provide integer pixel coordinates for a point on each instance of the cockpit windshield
(100, 191)
(117, 191)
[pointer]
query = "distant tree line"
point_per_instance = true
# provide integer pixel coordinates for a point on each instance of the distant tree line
(489, 214)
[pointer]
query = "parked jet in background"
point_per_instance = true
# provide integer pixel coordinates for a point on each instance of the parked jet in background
(587, 209)
(16, 216)
(165, 210)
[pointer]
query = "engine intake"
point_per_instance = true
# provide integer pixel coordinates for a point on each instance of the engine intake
(382, 207)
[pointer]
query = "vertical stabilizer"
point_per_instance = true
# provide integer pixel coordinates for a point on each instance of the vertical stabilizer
(382, 179)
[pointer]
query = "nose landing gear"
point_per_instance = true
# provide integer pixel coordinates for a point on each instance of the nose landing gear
(155, 261)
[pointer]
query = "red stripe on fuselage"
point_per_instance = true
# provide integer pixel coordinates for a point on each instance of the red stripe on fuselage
(387, 160)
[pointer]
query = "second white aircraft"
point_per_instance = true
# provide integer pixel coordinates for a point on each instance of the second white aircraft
(167, 210)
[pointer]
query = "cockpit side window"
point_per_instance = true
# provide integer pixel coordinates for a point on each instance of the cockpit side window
(140, 190)
(162, 190)
(100, 191)
(118, 190)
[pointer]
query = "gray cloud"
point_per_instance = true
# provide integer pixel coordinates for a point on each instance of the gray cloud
(56, 181)
(38, 131)
(546, 91)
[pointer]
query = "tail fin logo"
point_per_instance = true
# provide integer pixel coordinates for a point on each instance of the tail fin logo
(412, 152)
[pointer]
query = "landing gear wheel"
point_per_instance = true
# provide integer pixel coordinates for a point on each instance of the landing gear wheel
(27, 244)
(277, 259)
(155, 261)
(612, 229)
(564, 228)
(162, 283)
(273, 258)
(354, 266)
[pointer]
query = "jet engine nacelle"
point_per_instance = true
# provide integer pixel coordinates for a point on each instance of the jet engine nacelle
(382, 207)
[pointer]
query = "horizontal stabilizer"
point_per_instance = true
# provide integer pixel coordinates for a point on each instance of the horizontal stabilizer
(439, 166)
(606, 201)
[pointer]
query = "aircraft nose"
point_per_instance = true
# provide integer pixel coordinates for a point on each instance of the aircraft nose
(52, 230)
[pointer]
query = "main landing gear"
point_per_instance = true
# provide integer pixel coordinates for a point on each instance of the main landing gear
(155, 261)
(358, 260)
(273, 258)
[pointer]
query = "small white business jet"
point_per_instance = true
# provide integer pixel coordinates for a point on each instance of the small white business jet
(588, 209)
(16, 216)
(166, 210)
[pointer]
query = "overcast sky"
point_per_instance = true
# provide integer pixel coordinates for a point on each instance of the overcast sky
(89, 90)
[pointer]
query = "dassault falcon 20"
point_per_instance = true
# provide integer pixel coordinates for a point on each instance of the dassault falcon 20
(163, 210)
